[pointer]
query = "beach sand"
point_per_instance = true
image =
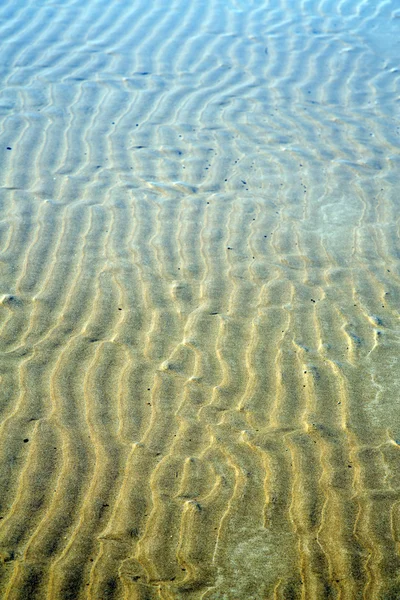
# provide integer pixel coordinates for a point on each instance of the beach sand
(199, 300)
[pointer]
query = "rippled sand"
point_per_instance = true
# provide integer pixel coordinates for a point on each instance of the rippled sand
(199, 287)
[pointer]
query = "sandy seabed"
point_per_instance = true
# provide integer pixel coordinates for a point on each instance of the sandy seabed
(199, 300)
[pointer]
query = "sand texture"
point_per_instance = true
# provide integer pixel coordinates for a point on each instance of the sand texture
(199, 300)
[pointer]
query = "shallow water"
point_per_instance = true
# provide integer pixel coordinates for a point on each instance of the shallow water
(199, 285)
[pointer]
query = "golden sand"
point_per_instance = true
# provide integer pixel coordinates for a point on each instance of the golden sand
(199, 300)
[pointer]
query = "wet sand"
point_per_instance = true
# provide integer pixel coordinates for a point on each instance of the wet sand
(199, 300)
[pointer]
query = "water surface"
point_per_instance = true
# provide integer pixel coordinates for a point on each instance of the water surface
(199, 285)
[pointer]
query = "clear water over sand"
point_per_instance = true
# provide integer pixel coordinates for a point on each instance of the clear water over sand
(199, 318)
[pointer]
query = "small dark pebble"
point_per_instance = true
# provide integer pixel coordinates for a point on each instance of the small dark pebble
(9, 148)
(229, 248)
(214, 313)
(10, 557)
(26, 440)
